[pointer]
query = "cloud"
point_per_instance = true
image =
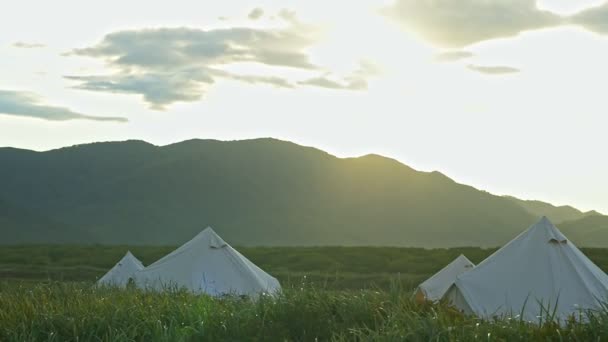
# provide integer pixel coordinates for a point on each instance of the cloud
(174, 48)
(256, 13)
(23, 45)
(454, 24)
(355, 81)
(254, 79)
(452, 56)
(326, 82)
(169, 65)
(594, 19)
(157, 89)
(289, 16)
(27, 104)
(493, 70)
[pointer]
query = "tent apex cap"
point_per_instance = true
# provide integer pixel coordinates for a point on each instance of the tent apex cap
(207, 230)
(553, 234)
(215, 241)
(463, 257)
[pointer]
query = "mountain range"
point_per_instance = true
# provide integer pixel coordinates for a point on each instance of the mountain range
(261, 192)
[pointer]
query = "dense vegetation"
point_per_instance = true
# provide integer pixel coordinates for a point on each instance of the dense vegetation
(324, 267)
(74, 312)
(330, 293)
(260, 192)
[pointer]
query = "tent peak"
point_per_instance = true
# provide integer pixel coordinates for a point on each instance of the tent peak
(539, 267)
(206, 231)
(124, 269)
(436, 286)
(463, 258)
(214, 240)
(553, 234)
(131, 257)
(207, 264)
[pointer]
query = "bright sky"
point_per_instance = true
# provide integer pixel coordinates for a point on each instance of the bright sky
(504, 95)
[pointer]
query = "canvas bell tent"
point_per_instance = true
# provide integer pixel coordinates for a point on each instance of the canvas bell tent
(434, 288)
(122, 272)
(207, 264)
(540, 274)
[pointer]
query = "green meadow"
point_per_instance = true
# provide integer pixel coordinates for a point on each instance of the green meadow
(330, 293)
(336, 268)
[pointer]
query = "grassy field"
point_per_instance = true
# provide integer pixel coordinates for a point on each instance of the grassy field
(78, 312)
(330, 293)
(326, 267)
(336, 268)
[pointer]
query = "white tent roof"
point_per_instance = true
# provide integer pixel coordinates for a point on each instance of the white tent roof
(120, 274)
(540, 268)
(436, 286)
(207, 264)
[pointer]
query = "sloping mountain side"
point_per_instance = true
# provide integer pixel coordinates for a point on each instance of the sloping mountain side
(590, 231)
(19, 226)
(253, 192)
(557, 214)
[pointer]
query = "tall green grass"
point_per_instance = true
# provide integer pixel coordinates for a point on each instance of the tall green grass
(338, 268)
(348, 294)
(80, 312)
(328, 267)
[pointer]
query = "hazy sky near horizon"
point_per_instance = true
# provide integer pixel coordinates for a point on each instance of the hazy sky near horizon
(505, 95)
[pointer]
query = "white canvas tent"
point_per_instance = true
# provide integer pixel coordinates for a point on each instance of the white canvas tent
(434, 288)
(538, 271)
(124, 270)
(207, 264)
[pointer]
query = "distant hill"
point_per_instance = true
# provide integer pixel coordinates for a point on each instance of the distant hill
(590, 231)
(23, 226)
(557, 214)
(253, 192)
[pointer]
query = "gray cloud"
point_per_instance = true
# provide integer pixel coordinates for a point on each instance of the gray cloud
(450, 23)
(24, 45)
(157, 89)
(289, 16)
(593, 19)
(256, 13)
(174, 48)
(356, 81)
(347, 84)
(493, 70)
(178, 64)
(161, 89)
(452, 56)
(27, 104)
(254, 79)
(171, 65)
